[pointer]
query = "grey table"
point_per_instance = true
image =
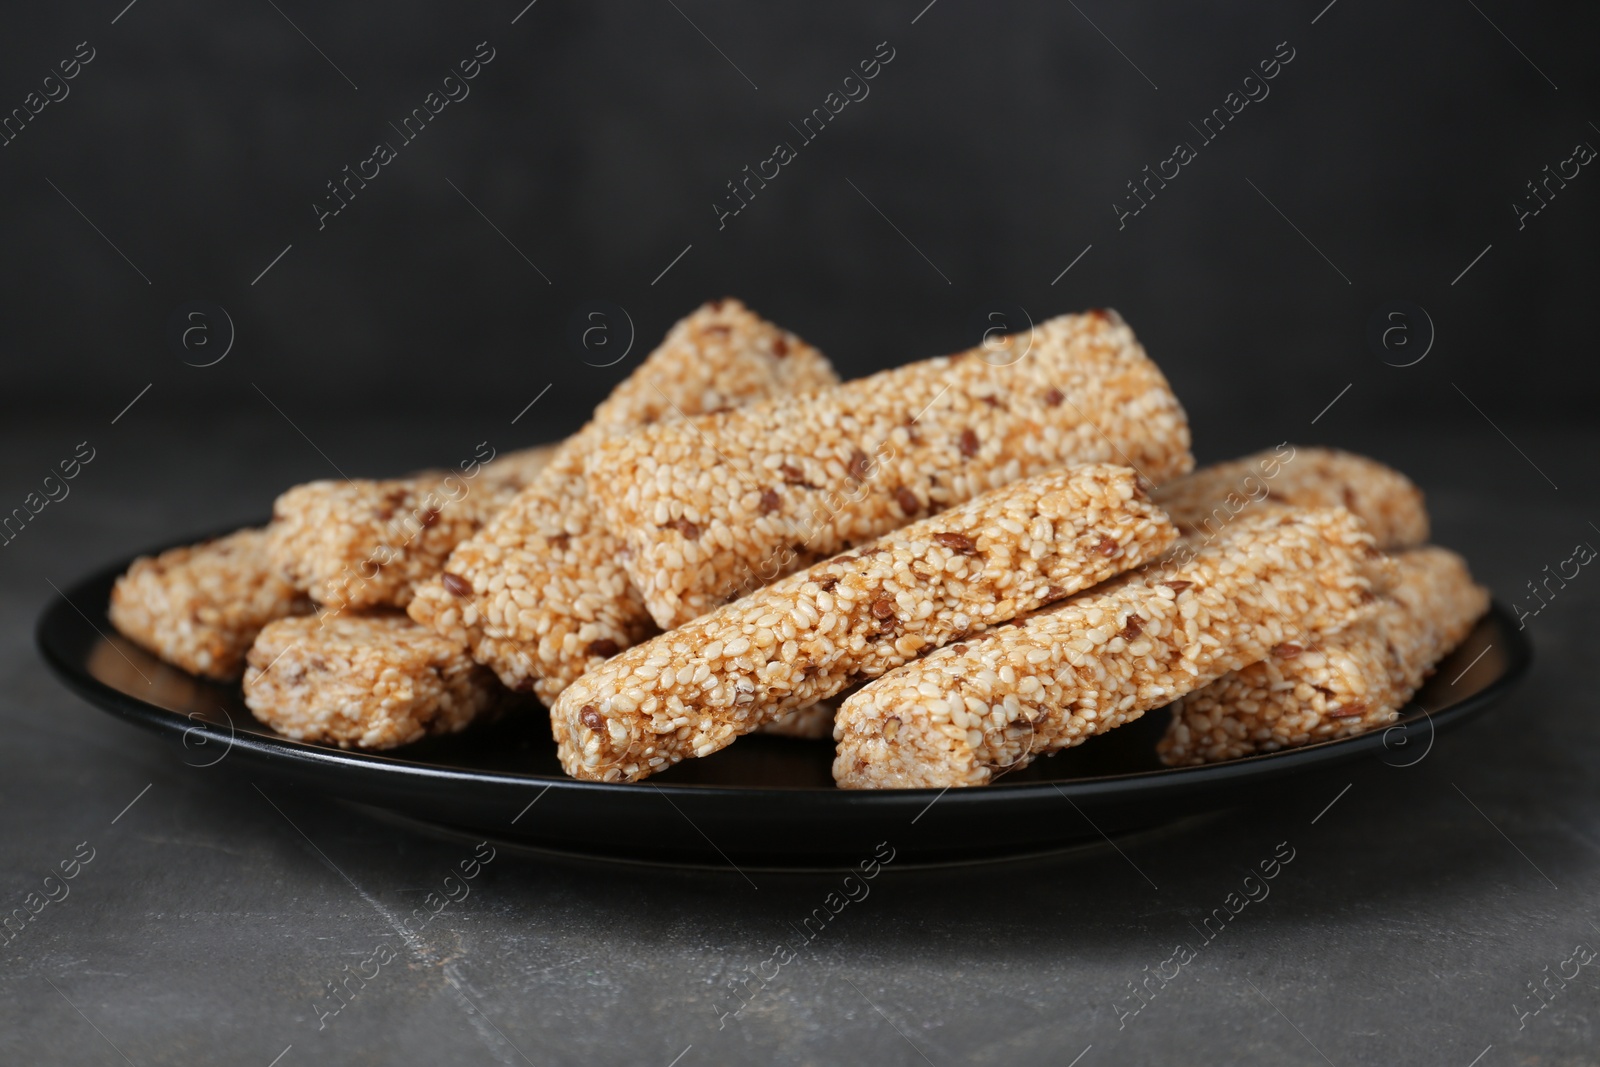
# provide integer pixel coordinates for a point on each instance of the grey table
(1419, 905)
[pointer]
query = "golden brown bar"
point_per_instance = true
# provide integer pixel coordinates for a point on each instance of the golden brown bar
(200, 607)
(964, 714)
(364, 681)
(714, 508)
(1341, 684)
(1204, 502)
(808, 637)
(365, 543)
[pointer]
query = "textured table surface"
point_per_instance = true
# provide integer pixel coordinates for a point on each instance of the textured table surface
(1415, 912)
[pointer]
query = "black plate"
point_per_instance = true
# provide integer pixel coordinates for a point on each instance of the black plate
(765, 801)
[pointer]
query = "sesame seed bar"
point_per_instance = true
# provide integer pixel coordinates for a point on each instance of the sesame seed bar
(1345, 684)
(366, 543)
(1383, 498)
(200, 607)
(809, 636)
(540, 594)
(719, 356)
(363, 681)
(714, 508)
(968, 712)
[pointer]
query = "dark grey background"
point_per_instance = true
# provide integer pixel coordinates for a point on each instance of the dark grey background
(596, 141)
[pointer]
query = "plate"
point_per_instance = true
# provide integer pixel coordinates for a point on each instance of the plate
(763, 802)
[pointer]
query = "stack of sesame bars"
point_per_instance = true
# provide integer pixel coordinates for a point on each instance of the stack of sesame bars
(949, 568)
